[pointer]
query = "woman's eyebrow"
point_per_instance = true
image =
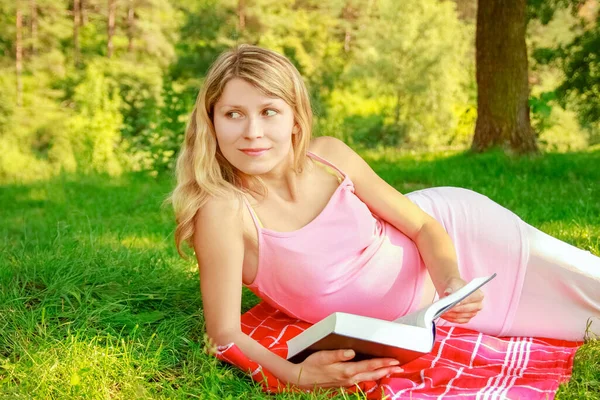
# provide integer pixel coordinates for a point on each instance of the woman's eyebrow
(267, 104)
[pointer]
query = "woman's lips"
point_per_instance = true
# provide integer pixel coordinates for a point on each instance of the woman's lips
(255, 152)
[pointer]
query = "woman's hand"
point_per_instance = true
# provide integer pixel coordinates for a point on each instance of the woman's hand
(332, 368)
(467, 308)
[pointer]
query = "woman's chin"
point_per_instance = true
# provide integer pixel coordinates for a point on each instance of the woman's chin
(255, 170)
(258, 165)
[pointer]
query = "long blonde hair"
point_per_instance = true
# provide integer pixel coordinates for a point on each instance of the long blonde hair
(202, 171)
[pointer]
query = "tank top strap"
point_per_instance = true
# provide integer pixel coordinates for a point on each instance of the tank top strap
(257, 222)
(324, 161)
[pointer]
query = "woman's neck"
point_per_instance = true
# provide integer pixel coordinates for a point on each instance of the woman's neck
(282, 182)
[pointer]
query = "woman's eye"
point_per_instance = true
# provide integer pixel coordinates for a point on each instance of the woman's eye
(270, 113)
(233, 114)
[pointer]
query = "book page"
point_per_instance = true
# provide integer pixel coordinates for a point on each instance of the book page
(444, 304)
(415, 318)
(425, 316)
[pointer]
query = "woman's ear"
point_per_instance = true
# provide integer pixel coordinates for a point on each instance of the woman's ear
(295, 129)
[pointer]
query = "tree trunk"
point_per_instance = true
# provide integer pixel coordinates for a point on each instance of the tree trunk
(82, 13)
(347, 38)
(19, 56)
(76, 24)
(33, 25)
(242, 14)
(502, 86)
(130, 25)
(110, 27)
(349, 16)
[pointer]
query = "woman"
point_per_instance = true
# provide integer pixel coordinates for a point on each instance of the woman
(310, 228)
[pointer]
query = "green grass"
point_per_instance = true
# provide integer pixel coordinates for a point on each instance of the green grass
(95, 303)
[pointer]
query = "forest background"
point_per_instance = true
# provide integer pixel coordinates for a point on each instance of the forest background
(94, 98)
(107, 85)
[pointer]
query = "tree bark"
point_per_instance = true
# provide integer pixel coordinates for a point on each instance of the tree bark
(502, 86)
(33, 25)
(83, 14)
(349, 16)
(241, 9)
(130, 25)
(110, 27)
(19, 56)
(76, 25)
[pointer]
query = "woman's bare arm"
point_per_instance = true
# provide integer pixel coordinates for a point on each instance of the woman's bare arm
(434, 243)
(219, 245)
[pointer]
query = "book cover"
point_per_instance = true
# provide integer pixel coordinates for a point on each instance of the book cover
(405, 339)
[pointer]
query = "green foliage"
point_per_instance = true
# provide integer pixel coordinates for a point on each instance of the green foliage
(7, 105)
(422, 64)
(544, 10)
(570, 46)
(556, 114)
(207, 28)
(94, 129)
(383, 73)
(581, 62)
(18, 164)
(164, 142)
(541, 110)
(354, 114)
(563, 132)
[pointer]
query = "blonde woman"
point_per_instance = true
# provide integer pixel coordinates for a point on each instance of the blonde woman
(310, 228)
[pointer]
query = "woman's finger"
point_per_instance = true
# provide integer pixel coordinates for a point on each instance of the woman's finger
(469, 307)
(326, 357)
(374, 375)
(353, 368)
(461, 319)
(474, 297)
(461, 315)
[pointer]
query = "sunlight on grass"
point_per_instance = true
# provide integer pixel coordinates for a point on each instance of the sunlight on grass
(38, 194)
(101, 367)
(147, 242)
(42, 193)
(586, 237)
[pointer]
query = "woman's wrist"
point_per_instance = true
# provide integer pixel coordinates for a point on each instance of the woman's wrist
(441, 278)
(291, 374)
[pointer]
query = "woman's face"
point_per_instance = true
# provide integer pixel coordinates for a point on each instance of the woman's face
(254, 132)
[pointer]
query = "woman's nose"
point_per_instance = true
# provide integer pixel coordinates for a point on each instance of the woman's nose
(254, 128)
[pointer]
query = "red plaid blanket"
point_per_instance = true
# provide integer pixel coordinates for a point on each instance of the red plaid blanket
(464, 364)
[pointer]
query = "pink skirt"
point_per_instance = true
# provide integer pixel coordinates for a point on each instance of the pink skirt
(544, 287)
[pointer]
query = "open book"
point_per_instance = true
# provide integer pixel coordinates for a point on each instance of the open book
(405, 339)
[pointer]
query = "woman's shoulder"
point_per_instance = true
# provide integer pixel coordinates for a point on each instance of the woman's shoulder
(330, 148)
(323, 145)
(219, 209)
(335, 151)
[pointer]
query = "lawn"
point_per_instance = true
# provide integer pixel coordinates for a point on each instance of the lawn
(96, 303)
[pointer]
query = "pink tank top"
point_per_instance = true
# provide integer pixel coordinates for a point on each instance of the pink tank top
(346, 259)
